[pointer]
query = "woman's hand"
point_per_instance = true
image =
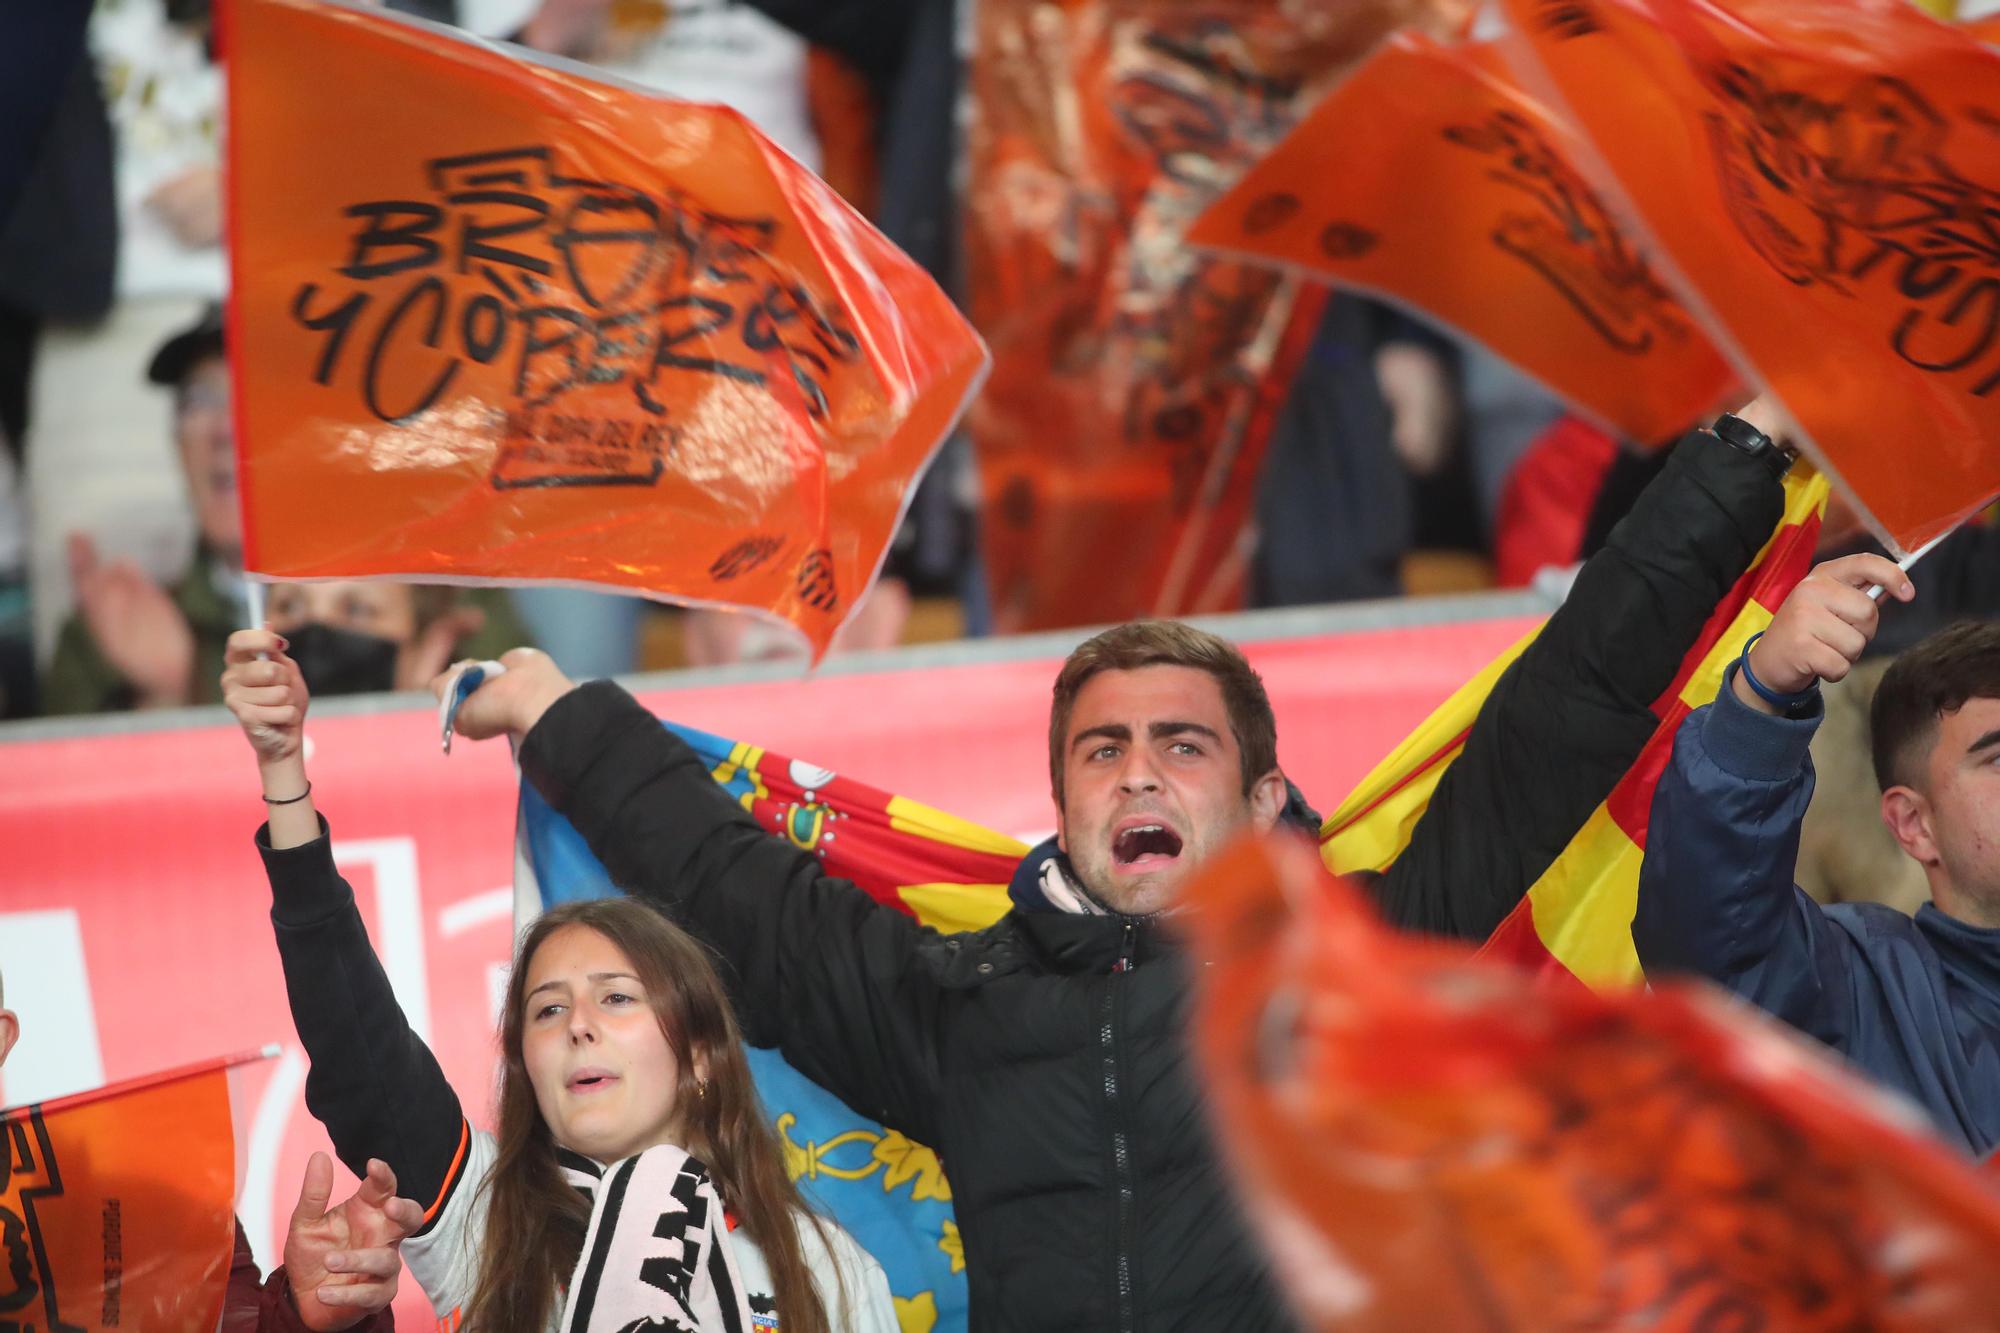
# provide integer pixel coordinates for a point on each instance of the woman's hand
(265, 691)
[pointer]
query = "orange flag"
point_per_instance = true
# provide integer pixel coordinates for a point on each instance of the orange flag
(1135, 382)
(502, 321)
(115, 1206)
(1430, 177)
(1825, 177)
(1435, 1142)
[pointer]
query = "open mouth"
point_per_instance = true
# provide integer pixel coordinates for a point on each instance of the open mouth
(590, 1080)
(1144, 843)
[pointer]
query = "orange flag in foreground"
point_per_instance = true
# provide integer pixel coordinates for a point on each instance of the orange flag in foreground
(1430, 177)
(115, 1206)
(1431, 1141)
(501, 321)
(1135, 382)
(1825, 177)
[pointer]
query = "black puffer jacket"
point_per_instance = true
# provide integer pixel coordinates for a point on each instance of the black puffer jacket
(1041, 1057)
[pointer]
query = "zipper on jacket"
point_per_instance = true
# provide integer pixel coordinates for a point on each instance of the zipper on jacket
(1121, 1146)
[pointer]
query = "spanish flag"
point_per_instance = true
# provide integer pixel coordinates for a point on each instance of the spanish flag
(1577, 917)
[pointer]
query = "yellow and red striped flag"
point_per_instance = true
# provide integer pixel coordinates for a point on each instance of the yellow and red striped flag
(1577, 917)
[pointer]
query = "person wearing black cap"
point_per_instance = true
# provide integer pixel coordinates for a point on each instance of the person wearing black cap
(133, 643)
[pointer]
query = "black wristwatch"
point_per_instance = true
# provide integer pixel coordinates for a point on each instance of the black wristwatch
(1739, 434)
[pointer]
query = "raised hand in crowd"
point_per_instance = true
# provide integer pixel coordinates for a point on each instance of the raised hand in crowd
(191, 206)
(513, 703)
(1822, 628)
(574, 28)
(342, 1263)
(267, 693)
(135, 624)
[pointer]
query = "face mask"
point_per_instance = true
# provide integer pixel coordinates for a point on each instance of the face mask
(342, 661)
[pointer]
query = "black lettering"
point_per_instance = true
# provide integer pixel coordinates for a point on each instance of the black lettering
(413, 236)
(482, 327)
(1923, 278)
(475, 239)
(433, 288)
(1566, 19)
(577, 243)
(1983, 333)
(534, 342)
(335, 323)
(711, 317)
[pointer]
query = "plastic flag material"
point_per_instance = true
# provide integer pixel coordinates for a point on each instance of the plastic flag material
(1135, 381)
(890, 1192)
(1432, 1141)
(1430, 177)
(1823, 178)
(496, 320)
(115, 1206)
(1577, 917)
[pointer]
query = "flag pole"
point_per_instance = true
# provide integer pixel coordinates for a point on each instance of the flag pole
(268, 1051)
(1875, 593)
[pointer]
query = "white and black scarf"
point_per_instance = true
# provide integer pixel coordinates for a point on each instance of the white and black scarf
(657, 1254)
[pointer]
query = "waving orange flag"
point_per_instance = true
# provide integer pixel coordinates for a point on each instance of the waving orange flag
(495, 320)
(1135, 381)
(1430, 1141)
(1429, 176)
(1825, 177)
(115, 1206)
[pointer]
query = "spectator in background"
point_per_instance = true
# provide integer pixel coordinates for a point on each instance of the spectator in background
(134, 643)
(58, 245)
(364, 638)
(360, 1238)
(1371, 414)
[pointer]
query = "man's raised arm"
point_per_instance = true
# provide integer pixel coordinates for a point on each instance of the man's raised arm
(848, 989)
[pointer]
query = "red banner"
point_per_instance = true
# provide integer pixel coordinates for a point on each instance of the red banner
(1429, 176)
(1824, 177)
(498, 320)
(1134, 382)
(134, 917)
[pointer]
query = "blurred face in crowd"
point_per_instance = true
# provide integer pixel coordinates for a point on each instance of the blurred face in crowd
(604, 1074)
(349, 638)
(208, 453)
(1152, 783)
(386, 610)
(1949, 819)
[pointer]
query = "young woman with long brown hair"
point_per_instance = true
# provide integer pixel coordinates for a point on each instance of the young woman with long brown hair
(633, 1177)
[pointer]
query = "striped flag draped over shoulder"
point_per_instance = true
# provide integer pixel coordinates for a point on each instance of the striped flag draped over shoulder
(948, 873)
(1577, 916)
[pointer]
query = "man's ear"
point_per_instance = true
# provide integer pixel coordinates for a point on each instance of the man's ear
(1267, 800)
(1062, 830)
(10, 1032)
(1908, 814)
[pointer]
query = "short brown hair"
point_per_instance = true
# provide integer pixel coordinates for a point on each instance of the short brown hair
(1935, 677)
(1144, 643)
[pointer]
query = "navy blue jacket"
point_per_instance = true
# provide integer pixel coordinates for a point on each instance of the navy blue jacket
(1914, 1002)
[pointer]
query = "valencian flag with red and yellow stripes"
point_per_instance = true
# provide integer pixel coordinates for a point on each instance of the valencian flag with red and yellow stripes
(1577, 916)
(947, 872)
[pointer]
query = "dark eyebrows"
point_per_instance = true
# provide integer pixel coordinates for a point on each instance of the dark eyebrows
(1118, 731)
(1108, 731)
(1987, 741)
(1162, 730)
(554, 982)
